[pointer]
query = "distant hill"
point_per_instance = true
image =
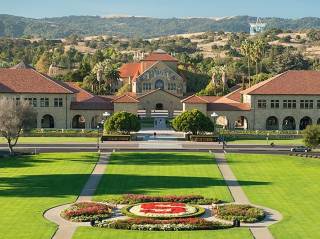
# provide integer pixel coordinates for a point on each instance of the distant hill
(143, 27)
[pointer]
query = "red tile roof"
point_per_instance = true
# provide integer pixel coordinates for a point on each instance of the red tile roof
(160, 56)
(288, 83)
(126, 98)
(228, 107)
(87, 101)
(129, 70)
(28, 80)
(194, 99)
(235, 95)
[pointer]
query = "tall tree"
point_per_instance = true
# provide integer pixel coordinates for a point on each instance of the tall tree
(15, 116)
(246, 50)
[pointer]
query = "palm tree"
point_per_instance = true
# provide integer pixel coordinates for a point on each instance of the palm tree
(257, 53)
(246, 50)
(107, 74)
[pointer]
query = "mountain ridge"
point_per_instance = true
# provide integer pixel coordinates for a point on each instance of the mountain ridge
(142, 27)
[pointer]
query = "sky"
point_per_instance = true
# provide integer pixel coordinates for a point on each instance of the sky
(162, 8)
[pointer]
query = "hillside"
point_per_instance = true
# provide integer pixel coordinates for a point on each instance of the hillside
(132, 26)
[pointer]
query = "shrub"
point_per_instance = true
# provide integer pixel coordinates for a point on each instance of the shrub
(140, 198)
(87, 211)
(185, 224)
(244, 213)
(122, 122)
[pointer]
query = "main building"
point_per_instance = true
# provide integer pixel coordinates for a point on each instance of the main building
(289, 101)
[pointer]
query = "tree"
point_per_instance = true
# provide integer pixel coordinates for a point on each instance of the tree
(43, 63)
(122, 122)
(124, 89)
(247, 49)
(14, 118)
(311, 136)
(193, 121)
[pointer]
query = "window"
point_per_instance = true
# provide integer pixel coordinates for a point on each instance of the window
(34, 102)
(306, 104)
(172, 86)
(44, 102)
(289, 104)
(275, 104)
(262, 104)
(146, 86)
(58, 102)
(318, 104)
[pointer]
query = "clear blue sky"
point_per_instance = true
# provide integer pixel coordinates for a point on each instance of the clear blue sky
(162, 8)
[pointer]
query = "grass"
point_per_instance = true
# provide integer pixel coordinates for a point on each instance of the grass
(97, 233)
(292, 187)
(264, 142)
(30, 185)
(55, 140)
(162, 174)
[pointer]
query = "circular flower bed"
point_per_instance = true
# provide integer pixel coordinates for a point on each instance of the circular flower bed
(163, 210)
(87, 211)
(244, 213)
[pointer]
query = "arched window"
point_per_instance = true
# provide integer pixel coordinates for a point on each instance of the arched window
(272, 123)
(304, 122)
(289, 123)
(241, 123)
(78, 122)
(47, 122)
(159, 84)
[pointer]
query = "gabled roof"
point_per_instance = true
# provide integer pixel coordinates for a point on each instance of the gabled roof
(195, 99)
(160, 56)
(129, 70)
(84, 100)
(28, 80)
(126, 98)
(156, 90)
(288, 83)
(235, 95)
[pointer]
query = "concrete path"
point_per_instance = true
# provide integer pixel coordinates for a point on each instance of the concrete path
(259, 230)
(66, 228)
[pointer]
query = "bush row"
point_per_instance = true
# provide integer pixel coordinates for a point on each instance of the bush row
(140, 198)
(87, 211)
(185, 224)
(244, 213)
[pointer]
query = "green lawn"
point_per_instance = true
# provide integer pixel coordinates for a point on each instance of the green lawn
(291, 186)
(55, 140)
(264, 142)
(89, 233)
(32, 184)
(162, 174)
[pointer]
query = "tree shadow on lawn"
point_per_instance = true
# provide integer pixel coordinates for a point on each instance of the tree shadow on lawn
(135, 184)
(61, 185)
(161, 159)
(33, 160)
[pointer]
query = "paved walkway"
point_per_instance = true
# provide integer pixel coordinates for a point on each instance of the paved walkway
(259, 230)
(66, 229)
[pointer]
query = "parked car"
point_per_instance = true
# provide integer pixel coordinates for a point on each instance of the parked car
(301, 149)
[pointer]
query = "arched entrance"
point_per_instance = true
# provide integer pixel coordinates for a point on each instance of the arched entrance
(78, 122)
(289, 123)
(222, 121)
(304, 122)
(159, 84)
(159, 106)
(318, 122)
(47, 122)
(241, 123)
(272, 123)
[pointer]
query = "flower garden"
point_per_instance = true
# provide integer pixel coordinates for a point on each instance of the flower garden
(166, 213)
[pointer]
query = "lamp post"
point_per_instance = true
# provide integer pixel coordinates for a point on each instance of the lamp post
(106, 114)
(98, 139)
(214, 115)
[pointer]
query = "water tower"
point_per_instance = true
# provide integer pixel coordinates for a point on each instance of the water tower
(257, 27)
